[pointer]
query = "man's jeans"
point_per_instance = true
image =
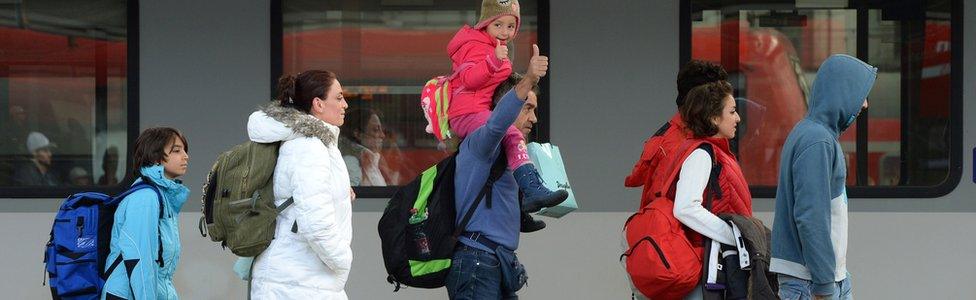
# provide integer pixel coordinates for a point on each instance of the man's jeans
(792, 288)
(475, 274)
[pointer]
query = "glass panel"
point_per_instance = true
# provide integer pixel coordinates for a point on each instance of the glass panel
(383, 53)
(913, 43)
(63, 93)
(772, 52)
(772, 57)
(884, 115)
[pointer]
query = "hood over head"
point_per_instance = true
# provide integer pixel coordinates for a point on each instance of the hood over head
(842, 84)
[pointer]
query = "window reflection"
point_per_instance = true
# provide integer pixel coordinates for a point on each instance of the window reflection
(772, 56)
(62, 93)
(383, 53)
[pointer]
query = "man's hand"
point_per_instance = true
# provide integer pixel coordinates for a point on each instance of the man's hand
(352, 195)
(538, 66)
(501, 50)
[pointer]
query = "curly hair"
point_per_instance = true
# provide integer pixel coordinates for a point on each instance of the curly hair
(705, 102)
(695, 73)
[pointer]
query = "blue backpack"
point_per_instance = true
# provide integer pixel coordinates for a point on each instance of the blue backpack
(75, 255)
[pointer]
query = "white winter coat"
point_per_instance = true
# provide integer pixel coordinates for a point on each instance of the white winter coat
(313, 263)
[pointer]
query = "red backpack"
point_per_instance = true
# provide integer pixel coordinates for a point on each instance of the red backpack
(656, 149)
(661, 262)
(435, 99)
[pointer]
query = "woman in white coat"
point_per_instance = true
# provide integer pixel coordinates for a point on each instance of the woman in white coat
(311, 254)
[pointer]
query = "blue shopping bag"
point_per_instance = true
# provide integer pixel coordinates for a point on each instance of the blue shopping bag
(549, 162)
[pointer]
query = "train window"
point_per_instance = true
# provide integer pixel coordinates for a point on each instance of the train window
(383, 52)
(907, 144)
(65, 93)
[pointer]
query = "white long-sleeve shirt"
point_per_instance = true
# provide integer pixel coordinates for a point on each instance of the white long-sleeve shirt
(688, 208)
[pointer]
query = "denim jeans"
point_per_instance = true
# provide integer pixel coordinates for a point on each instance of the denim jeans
(475, 274)
(792, 288)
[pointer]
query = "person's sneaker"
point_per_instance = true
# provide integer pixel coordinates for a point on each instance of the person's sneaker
(530, 224)
(536, 195)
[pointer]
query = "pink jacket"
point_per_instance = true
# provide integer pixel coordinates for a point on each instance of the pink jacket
(478, 82)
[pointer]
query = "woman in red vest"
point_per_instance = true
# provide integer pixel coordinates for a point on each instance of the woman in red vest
(710, 117)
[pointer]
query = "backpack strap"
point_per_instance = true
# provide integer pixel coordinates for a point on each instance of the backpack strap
(146, 183)
(282, 207)
(675, 166)
(279, 209)
(640, 175)
(664, 128)
(455, 74)
(712, 187)
(497, 170)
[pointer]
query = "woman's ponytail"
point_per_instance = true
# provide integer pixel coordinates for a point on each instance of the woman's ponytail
(286, 91)
(298, 91)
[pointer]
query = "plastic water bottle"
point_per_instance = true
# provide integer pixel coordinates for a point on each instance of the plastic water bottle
(423, 246)
(419, 237)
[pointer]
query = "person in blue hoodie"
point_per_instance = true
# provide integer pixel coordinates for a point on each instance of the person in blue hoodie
(809, 239)
(138, 233)
(493, 231)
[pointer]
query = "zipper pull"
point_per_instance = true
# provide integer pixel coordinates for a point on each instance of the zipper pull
(81, 225)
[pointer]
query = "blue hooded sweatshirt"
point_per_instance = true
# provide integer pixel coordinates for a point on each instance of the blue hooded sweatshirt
(809, 239)
(136, 236)
(478, 152)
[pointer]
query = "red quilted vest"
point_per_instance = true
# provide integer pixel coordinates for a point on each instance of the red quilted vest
(734, 198)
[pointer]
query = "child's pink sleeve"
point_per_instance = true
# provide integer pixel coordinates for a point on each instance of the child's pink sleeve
(486, 65)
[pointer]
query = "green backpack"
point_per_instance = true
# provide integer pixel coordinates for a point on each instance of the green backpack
(238, 199)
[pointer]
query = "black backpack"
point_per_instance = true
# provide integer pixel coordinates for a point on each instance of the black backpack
(417, 230)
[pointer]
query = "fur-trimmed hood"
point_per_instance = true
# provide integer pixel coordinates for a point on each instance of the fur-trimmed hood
(273, 123)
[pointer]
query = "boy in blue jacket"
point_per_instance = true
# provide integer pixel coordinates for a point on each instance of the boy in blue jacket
(809, 239)
(145, 244)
